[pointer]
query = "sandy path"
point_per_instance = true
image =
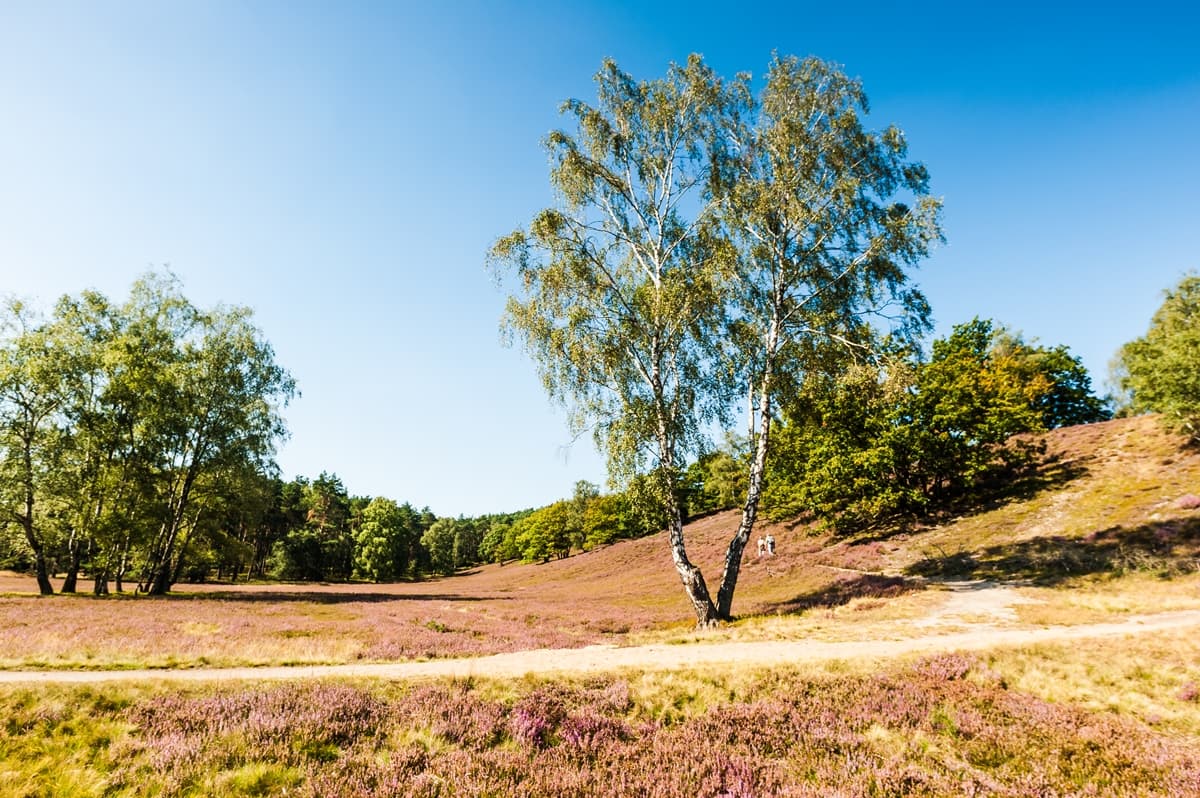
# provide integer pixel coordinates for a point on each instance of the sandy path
(651, 657)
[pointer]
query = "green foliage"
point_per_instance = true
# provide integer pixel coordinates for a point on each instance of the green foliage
(904, 437)
(717, 480)
(585, 495)
(468, 535)
(299, 556)
(842, 453)
(137, 441)
(1069, 399)
(585, 521)
(712, 243)
(970, 399)
(328, 518)
(614, 284)
(15, 554)
(1161, 370)
(126, 428)
(827, 216)
(381, 545)
(547, 532)
(33, 394)
(606, 519)
(438, 541)
(647, 500)
(499, 542)
(616, 289)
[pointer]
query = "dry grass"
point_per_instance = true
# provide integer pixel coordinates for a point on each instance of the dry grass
(1153, 679)
(942, 726)
(1096, 600)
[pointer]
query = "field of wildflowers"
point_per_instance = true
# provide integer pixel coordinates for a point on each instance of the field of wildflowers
(943, 726)
(602, 596)
(1089, 718)
(1123, 513)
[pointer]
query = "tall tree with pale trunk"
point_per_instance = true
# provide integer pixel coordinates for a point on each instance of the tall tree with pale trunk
(711, 244)
(828, 217)
(616, 288)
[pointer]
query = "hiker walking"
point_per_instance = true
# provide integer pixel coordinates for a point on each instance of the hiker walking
(770, 544)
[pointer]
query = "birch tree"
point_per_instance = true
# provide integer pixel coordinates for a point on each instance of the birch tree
(218, 414)
(828, 217)
(616, 286)
(713, 243)
(32, 397)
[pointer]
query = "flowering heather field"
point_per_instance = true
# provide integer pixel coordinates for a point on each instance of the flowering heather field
(598, 596)
(945, 726)
(1117, 500)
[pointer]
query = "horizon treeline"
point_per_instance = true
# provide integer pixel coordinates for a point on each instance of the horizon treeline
(137, 449)
(137, 444)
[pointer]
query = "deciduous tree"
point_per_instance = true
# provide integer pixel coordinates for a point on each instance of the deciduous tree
(380, 552)
(438, 540)
(829, 217)
(1161, 370)
(712, 243)
(33, 393)
(616, 287)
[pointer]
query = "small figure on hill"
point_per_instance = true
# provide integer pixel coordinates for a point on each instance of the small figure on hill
(762, 546)
(771, 545)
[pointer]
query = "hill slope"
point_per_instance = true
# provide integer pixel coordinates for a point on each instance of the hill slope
(1111, 499)
(1105, 531)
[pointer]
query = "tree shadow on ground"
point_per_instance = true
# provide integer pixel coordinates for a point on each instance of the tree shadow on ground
(1169, 548)
(1003, 486)
(845, 589)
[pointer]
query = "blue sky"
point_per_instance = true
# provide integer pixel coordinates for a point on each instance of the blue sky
(343, 167)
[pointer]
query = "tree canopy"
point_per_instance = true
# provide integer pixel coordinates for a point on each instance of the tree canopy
(905, 436)
(124, 427)
(1161, 370)
(712, 243)
(617, 287)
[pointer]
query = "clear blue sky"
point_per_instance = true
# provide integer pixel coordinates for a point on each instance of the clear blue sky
(343, 167)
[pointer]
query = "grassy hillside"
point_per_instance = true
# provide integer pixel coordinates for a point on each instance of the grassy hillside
(1112, 501)
(1105, 527)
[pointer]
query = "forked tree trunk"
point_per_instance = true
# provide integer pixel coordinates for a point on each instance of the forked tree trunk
(733, 555)
(693, 580)
(162, 572)
(737, 545)
(690, 575)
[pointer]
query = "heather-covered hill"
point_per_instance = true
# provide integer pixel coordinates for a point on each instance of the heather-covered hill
(1108, 527)
(1111, 497)
(1112, 515)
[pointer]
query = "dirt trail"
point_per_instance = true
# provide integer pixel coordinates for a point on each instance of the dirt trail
(977, 603)
(650, 657)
